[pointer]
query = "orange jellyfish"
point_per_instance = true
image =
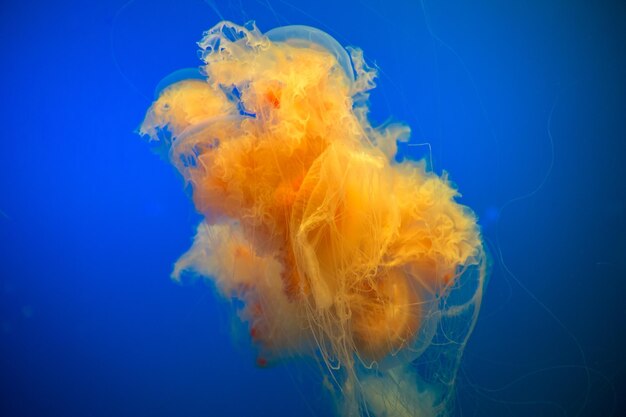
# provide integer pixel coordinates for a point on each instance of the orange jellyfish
(337, 252)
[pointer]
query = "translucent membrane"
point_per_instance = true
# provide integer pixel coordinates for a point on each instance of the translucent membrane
(176, 76)
(308, 37)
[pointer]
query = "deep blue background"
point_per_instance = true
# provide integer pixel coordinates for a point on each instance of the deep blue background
(523, 103)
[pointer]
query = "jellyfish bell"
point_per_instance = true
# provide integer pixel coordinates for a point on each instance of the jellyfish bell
(309, 37)
(177, 76)
(387, 322)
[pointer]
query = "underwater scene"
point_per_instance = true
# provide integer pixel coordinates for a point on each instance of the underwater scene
(292, 208)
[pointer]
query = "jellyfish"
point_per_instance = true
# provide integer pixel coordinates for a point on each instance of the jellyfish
(334, 250)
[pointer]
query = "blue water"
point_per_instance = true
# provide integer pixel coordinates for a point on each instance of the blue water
(523, 104)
